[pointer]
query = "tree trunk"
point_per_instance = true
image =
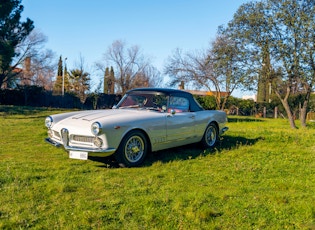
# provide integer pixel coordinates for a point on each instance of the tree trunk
(1, 80)
(286, 106)
(303, 113)
(289, 113)
(225, 100)
(218, 100)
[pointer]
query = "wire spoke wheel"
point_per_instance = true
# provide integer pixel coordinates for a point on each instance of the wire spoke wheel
(211, 136)
(134, 149)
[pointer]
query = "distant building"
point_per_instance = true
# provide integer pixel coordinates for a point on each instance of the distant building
(200, 92)
(250, 97)
(206, 93)
(22, 76)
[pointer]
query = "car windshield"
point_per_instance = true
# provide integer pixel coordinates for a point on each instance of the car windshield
(148, 101)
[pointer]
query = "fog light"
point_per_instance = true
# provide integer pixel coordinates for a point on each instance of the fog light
(50, 133)
(98, 142)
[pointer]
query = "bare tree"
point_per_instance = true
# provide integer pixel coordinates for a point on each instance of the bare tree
(213, 69)
(153, 75)
(228, 66)
(190, 67)
(131, 67)
(42, 69)
(38, 63)
(33, 65)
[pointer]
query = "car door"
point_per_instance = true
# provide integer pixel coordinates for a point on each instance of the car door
(180, 121)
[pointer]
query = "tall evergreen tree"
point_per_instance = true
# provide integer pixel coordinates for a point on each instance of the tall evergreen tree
(111, 83)
(67, 83)
(58, 83)
(264, 93)
(12, 33)
(60, 73)
(106, 79)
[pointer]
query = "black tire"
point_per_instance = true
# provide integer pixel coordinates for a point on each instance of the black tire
(210, 136)
(132, 149)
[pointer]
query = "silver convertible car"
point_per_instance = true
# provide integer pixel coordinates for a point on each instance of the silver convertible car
(145, 120)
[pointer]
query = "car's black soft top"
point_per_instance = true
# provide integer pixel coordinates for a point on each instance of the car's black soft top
(194, 105)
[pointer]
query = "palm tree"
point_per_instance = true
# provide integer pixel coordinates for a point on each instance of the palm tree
(80, 82)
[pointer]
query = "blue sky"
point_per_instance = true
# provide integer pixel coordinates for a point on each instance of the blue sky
(158, 27)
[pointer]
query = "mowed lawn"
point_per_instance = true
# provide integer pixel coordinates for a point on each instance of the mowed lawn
(260, 176)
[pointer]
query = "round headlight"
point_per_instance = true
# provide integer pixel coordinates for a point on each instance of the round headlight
(96, 128)
(48, 121)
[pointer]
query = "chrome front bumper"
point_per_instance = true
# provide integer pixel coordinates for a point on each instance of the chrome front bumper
(92, 152)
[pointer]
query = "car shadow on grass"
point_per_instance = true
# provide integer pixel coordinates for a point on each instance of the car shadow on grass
(186, 152)
(107, 162)
(196, 150)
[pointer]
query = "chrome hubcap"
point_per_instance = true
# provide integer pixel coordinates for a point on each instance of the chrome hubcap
(134, 149)
(211, 136)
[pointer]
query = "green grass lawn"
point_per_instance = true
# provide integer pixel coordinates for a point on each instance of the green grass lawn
(260, 176)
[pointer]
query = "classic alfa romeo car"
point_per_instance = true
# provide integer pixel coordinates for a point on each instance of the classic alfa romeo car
(145, 120)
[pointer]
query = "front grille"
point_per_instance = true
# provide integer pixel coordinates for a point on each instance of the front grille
(84, 139)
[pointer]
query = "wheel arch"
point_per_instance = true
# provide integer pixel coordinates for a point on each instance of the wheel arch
(216, 125)
(207, 139)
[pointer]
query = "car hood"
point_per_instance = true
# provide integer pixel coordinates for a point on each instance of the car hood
(90, 116)
(99, 115)
(95, 115)
(79, 122)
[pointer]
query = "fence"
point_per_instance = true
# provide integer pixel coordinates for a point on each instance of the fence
(38, 97)
(310, 116)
